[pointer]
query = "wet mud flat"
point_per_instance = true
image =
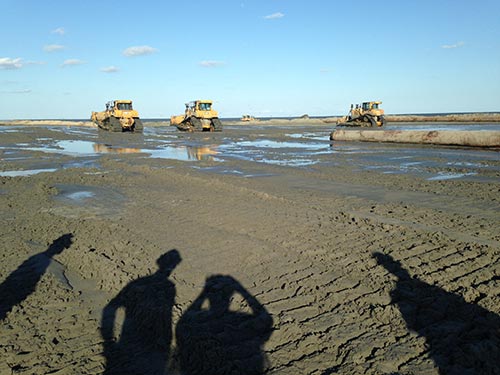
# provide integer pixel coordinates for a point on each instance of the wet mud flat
(257, 250)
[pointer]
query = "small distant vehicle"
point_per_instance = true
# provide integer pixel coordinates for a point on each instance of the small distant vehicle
(119, 116)
(248, 118)
(368, 114)
(198, 117)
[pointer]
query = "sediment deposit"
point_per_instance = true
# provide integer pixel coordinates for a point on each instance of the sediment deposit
(267, 249)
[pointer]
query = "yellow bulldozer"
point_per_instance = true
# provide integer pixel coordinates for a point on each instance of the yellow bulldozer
(368, 114)
(119, 116)
(198, 116)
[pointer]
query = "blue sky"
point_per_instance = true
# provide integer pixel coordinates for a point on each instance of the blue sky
(63, 59)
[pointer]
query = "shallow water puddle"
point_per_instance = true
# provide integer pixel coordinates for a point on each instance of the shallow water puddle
(80, 196)
(450, 176)
(25, 173)
(77, 147)
(257, 156)
(88, 148)
(75, 194)
(92, 148)
(101, 148)
(265, 143)
(87, 201)
(289, 162)
(285, 153)
(84, 148)
(234, 172)
(184, 153)
(319, 136)
(81, 148)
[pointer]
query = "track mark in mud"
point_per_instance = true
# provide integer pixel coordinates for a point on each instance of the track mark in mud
(303, 250)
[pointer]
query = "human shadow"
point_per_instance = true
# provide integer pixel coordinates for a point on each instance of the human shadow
(22, 282)
(217, 340)
(143, 345)
(462, 337)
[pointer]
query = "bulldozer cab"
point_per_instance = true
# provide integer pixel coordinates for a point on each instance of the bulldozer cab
(368, 106)
(205, 106)
(199, 105)
(121, 108)
(120, 105)
(124, 106)
(200, 109)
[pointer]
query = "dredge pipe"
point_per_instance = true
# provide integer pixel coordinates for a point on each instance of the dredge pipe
(471, 138)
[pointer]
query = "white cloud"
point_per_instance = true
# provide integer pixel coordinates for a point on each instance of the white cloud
(451, 46)
(18, 63)
(110, 69)
(211, 63)
(72, 62)
(59, 31)
(274, 16)
(24, 91)
(139, 51)
(8, 63)
(53, 47)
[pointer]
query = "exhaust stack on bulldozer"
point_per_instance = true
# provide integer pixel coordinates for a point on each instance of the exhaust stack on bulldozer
(368, 114)
(119, 116)
(198, 116)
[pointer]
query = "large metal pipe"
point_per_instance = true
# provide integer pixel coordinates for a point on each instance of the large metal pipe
(472, 138)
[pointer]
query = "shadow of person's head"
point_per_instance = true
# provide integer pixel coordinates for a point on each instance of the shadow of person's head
(391, 265)
(58, 245)
(219, 289)
(168, 261)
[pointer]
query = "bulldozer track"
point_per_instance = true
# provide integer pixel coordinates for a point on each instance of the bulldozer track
(217, 125)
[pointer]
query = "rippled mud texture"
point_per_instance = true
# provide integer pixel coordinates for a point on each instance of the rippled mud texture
(267, 249)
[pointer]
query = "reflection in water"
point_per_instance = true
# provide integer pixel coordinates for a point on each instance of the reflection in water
(201, 153)
(185, 153)
(108, 149)
(88, 148)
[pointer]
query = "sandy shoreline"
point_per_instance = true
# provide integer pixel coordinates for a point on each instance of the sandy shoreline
(113, 261)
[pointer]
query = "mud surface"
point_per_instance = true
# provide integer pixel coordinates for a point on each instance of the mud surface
(254, 250)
